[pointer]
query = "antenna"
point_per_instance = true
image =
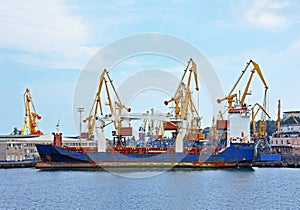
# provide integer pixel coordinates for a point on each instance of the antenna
(57, 126)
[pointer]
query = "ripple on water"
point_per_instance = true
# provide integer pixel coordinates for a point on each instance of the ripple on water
(262, 188)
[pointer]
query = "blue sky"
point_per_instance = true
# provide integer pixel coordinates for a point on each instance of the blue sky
(45, 44)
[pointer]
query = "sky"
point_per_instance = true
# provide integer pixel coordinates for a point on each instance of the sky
(44, 45)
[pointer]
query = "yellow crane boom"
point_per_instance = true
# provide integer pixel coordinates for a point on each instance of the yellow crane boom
(185, 108)
(98, 105)
(260, 107)
(183, 96)
(30, 115)
(291, 115)
(262, 125)
(255, 69)
(233, 95)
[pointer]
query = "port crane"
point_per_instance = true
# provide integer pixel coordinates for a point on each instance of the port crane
(185, 108)
(115, 107)
(238, 110)
(291, 115)
(231, 96)
(213, 132)
(183, 96)
(262, 128)
(30, 116)
(220, 115)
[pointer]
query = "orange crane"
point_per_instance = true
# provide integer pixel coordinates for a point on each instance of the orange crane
(185, 108)
(30, 116)
(241, 102)
(262, 125)
(183, 96)
(98, 105)
(233, 95)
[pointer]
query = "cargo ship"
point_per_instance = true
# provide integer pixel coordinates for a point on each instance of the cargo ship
(188, 147)
(235, 150)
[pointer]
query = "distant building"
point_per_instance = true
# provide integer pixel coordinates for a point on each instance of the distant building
(22, 148)
(289, 140)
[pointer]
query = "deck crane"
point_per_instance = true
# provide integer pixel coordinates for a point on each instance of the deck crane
(231, 96)
(185, 108)
(115, 108)
(262, 128)
(30, 116)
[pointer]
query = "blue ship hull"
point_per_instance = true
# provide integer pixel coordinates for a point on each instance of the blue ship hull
(238, 154)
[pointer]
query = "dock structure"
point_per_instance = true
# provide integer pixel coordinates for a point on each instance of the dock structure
(278, 160)
(19, 151)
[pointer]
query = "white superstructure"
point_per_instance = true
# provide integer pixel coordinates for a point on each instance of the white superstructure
(238, 125)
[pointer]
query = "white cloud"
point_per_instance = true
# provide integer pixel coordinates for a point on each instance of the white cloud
(69, 58)
(40, 26)
(74, 58)
(43, 31)
(267, 14)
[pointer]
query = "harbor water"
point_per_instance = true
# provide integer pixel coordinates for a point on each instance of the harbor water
(257, 188)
